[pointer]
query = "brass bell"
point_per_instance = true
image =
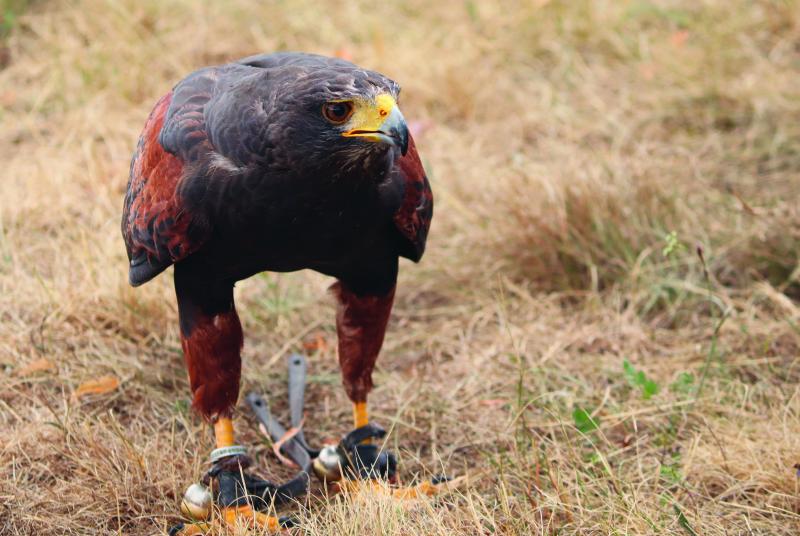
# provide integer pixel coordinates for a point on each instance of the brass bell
(328, 465)
(197, 502)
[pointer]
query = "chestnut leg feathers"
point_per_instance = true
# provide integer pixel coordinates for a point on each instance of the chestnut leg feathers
(361, 320)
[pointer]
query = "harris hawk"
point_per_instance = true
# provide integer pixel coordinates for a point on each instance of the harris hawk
(276, 162)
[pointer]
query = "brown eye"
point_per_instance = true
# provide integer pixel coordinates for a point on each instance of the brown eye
(337, 112)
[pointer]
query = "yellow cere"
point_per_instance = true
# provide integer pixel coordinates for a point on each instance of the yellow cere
(369, 115)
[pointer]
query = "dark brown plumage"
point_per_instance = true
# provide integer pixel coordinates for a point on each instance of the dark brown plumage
(246, 167)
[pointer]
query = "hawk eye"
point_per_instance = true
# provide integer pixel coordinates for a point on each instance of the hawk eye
(337, 112)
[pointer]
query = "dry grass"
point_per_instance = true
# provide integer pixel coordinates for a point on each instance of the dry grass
(564, 140)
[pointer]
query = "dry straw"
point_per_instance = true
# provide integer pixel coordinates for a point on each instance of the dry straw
(565, 141)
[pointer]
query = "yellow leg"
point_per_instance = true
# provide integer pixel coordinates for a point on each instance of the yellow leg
(245, 516)
(360, 488)
(233, 518)
(360, 417)
(223, 432)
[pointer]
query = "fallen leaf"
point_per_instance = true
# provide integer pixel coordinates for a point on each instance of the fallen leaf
(493, 402)
(100, 386)
(679, 38)
(318, 343)
(343, 53)
(39, 365)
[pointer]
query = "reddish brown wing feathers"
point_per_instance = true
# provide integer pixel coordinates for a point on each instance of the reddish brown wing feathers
(155, 225)
(413, 218)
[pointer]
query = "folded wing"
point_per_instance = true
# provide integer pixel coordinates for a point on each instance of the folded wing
(162, 219)
(413, 218)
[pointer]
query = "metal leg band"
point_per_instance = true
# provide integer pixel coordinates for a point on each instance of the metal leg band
(224, 452)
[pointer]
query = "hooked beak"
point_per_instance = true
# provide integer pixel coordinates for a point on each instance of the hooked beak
(395, 131)
(383, 122)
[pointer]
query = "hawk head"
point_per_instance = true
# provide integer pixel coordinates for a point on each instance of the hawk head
(327, 113)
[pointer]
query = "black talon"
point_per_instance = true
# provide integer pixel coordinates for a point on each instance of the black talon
(369, 461)
(366, 461)
(369, 431)
(237, 489)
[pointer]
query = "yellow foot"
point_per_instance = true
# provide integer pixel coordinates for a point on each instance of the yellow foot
(192, 529)
(234, 518)
(197, 503)
(246, 517)
(360, 489)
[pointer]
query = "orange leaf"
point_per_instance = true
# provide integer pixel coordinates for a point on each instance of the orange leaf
(679, 38)
(100, 386)
(343, 53)
(317, 343)
(40, 365)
